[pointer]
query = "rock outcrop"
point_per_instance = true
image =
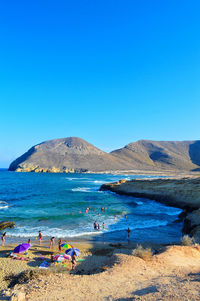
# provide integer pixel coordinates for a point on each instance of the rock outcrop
(6, 224)
(181, 193)
(76, 155)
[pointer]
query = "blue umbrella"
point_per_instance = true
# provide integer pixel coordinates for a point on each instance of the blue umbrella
(22, 248)
(71, 251)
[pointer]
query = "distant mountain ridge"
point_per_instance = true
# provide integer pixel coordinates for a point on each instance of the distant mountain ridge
(74, 154)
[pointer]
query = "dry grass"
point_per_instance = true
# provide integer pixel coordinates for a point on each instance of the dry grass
(187, 240)
(143, 253)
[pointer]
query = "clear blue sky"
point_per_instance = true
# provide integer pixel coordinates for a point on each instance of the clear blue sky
(109, 71)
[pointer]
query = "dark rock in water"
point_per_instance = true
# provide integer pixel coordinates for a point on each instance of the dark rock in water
(72, 154)
(6, 224)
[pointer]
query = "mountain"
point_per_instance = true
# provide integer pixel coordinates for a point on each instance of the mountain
(65, 155)
(77, 155)
(184, 155)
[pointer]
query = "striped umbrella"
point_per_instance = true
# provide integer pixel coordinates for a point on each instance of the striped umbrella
(66, 246)
(60, 258)
(72, 251)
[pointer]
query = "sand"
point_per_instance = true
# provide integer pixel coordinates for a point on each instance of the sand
(113, 273)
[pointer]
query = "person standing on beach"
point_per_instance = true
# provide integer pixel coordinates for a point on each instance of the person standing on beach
(52, 242)
(73, 261)
(59, 244)
(3, 238)
(40, 237)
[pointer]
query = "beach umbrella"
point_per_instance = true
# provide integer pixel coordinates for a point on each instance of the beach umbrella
(72, 251)
(61, 257)
(66, 246)
(22, 248)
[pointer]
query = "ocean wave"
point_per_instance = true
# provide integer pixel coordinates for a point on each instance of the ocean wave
(4, 205)
(82, 189)
(48, 232)
(139, 202)
(76, 179)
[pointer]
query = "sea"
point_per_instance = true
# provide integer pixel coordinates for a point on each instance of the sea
(56, 205)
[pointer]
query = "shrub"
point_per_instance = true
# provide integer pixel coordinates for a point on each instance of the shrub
(187, 240)
(143, 253)
(24, 277)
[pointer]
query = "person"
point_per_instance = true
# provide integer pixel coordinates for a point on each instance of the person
(128, 231)
(98, 227)
(95, 225)
(59, 244)
(3, 238)
(103, 226)
(40, 237)
(73, 261)
(29, 241)
(52, 242)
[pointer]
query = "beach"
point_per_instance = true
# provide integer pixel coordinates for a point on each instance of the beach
(112, 266)
(109, 272)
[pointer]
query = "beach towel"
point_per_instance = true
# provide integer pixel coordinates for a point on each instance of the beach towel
(44, 265)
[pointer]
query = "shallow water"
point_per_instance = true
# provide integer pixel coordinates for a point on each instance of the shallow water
(56, 204)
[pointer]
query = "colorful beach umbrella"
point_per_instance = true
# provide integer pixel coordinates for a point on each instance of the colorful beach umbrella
(61, 257)
(66, 246)
(22, 248)
(72, 251)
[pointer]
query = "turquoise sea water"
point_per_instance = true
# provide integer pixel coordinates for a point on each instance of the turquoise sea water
(56, 204)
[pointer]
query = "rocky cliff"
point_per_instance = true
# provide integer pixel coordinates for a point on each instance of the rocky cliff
(181, 193)
(76, 155)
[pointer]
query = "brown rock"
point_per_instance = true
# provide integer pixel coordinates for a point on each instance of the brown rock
(18, 296)
(6, 224)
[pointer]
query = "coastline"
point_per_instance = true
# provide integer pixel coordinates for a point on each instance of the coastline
(183, 193)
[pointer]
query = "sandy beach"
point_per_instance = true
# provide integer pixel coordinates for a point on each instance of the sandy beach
(109, 272)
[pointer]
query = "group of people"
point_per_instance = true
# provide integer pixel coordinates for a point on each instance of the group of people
(97, 226)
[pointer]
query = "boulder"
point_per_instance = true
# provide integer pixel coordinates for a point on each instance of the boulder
(18, 296)
(6, 224)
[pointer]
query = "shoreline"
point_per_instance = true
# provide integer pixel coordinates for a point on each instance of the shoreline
(183, 193)
(170, 173)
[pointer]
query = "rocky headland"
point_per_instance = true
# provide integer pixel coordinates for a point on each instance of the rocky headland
(181, 193)
(73, 154)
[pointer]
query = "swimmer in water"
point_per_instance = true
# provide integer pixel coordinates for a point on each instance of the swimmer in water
(128, 231)
(103, 225)
(95, 225)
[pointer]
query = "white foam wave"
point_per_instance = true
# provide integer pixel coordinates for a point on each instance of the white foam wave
(57, 232)
(82, 189)
(99, 182)
(4, 205)
(77, 179)
(139, 202)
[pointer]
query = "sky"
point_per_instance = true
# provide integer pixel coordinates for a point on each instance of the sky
(111, 72)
